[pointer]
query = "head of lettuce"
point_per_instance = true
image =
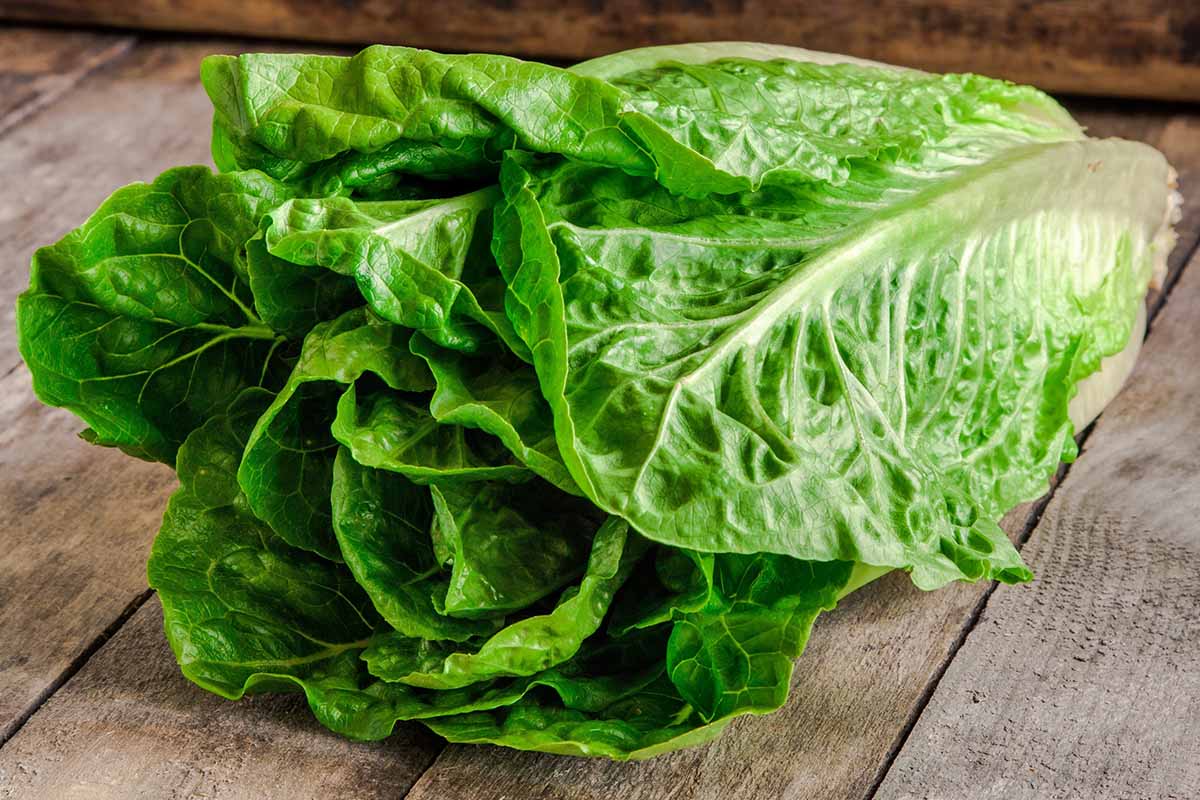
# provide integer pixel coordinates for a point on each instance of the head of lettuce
(550, 407)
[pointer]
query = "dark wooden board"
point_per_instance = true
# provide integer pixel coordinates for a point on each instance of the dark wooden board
(131, 726)
(1087, 682)
(1137, 48)
(38, 64)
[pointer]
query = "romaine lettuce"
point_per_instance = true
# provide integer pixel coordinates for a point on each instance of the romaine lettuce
(550, 407)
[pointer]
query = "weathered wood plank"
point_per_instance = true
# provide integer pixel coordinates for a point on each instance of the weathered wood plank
(78, 520)
(1137, 48)
(129, 725)
(867, 671)
(39, 64)
(1087, 682)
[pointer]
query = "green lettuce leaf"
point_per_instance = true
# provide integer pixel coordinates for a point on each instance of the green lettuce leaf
(510, 545)
(823, 397)
(417, 263)
(527, 646)
(499, 395)
(242, 608)
(141, 321)
(292, 298)
(386, 430)
(698, 128)
(382, 524)
(287, 468)
(736, 653)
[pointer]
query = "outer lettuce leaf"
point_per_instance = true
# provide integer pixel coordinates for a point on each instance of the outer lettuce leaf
(824, 399)
(292, 298)
(735, 655)
(717, 127)
(295, 116)
(140, 321)
(649, 723)
(242, 608)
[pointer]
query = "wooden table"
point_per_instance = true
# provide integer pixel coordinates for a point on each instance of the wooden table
(1083, 684)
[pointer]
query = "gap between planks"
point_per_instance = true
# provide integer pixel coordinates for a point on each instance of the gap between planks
(77, 664)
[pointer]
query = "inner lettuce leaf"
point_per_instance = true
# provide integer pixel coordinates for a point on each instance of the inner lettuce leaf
(529, 645)
(382, 523)
(551, 407)
(421, 264)
(500, 396)
(286, 470)
(388, 430)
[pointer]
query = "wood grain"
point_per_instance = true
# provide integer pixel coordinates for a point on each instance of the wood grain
(39, 64)
(130, 726)
(1087, 682)
(77, 519)
(1136, 48)
(865, 676)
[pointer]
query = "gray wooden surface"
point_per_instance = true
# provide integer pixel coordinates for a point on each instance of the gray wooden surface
(77, 519)
(129, 725)
(882, 702)
(37, 65)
